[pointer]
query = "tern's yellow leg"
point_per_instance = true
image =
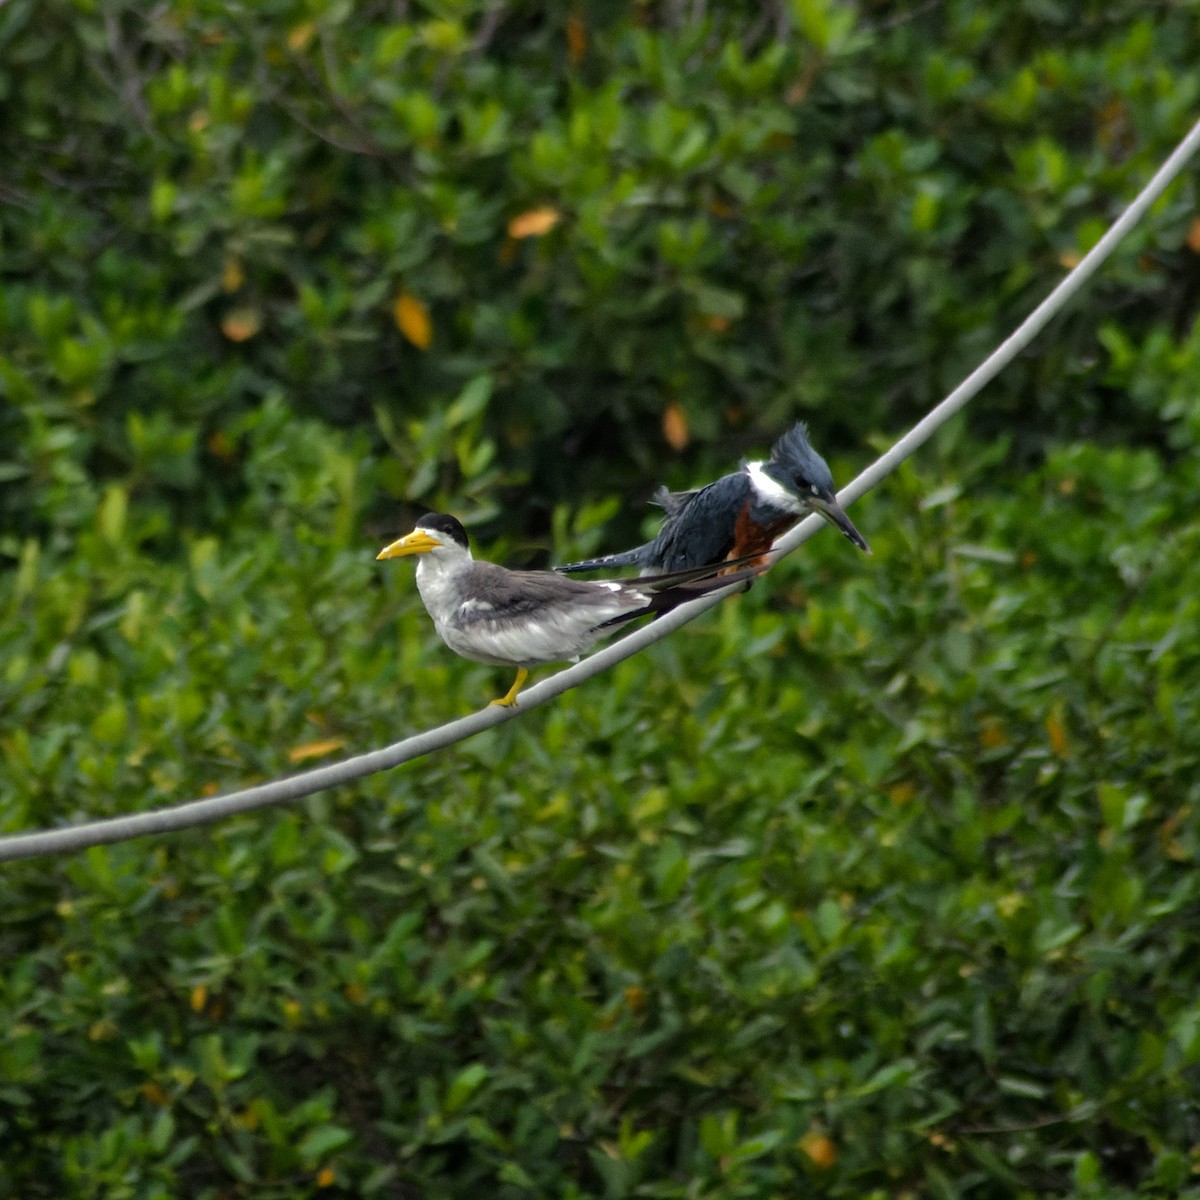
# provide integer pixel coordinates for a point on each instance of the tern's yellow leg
(510, 697)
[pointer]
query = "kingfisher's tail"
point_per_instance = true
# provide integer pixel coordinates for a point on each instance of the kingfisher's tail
(691, 585)
(627, 558)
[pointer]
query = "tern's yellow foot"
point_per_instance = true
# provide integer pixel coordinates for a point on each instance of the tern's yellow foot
(510, 697)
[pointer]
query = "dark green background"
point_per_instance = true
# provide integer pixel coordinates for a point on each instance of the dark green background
(879, 881)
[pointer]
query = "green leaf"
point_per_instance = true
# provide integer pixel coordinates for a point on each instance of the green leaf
(464, 1085)
(317, 1144)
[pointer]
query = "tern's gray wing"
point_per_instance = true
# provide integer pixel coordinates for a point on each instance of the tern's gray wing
(531, 617)
(531, 593)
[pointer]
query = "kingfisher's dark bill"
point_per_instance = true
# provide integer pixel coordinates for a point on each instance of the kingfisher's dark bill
(827, 506)
(490, 614)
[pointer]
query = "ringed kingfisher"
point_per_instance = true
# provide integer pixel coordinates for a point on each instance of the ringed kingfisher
(523, 619)
(740, 515)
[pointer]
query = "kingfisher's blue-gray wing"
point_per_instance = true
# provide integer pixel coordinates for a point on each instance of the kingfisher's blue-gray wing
(643, 557)
(672, 502)
(701, 529)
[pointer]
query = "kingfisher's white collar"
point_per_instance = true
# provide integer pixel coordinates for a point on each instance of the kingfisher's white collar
(771, 491)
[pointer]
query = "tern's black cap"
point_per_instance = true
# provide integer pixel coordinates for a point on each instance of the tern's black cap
(445, 525)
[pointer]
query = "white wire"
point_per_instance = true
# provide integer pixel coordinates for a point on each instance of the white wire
(293, 787)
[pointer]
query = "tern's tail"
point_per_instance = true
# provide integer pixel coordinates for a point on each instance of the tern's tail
(627, 558)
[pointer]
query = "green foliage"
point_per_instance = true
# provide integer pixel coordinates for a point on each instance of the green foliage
(879, 881)
(751, 215)
(906, 904)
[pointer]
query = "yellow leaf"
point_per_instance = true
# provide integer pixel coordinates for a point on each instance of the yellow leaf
(326, 1177)
(798, 91)
(315, 749)
(1058, 734)
(636, 997)
(1167, 834)
(220, 445)
(232, 277)
(992, 735)
(675, 426)
(199, 997)
(1193, 237)
(299, 37)
(412, 319)
(576, 37)
(156, 1094)
(902, 793)
(1112, 125)
(533, 223)
(819, 1147)
(241, 324)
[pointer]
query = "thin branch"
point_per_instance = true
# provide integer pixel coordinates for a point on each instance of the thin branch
(1080, 1112)
(127, 82)
(12, 195)
(201, 812)
(1011, 346)
(487, 27)
(368, 149)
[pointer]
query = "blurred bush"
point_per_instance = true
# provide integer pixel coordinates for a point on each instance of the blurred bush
(600, 237)
(878, 882)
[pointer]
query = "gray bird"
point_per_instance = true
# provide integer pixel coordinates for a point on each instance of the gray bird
(490, 614)
(740, 515)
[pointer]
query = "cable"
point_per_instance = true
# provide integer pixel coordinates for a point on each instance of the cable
(293, 787)
(1013, 344)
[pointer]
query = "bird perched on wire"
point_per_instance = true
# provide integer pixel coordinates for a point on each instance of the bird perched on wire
(490, 614)
(740, 515)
